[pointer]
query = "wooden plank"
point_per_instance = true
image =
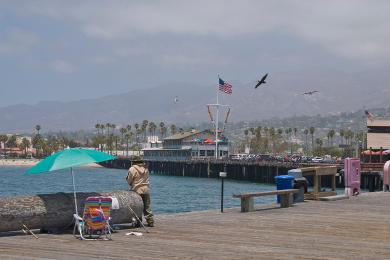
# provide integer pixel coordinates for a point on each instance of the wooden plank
(265, 193)
(333, 198)
(346, 229)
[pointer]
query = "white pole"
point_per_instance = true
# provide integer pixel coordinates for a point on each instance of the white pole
(216, 123)
(74, 191)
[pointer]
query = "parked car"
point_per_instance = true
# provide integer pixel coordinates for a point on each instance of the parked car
(317, 159)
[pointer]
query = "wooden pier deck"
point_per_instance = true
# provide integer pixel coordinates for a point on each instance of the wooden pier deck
(356, 228)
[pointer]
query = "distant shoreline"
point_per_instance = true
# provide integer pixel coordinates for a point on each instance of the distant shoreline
(31, 162)
(18, 162)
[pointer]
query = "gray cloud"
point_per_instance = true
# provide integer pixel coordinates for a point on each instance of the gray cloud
(115, 46)
(62, 66)
(15, 40)
(350, 28)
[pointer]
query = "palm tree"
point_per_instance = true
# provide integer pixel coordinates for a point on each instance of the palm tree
(144, 127)
(319, 143)
(311, 130)
(38, 128)
(272, 134)
(252, 131)
(114, 137)
(331, 135)
(173, 129)
(246, 132)
(342, 133)
(128, 137)
(11, 142)
(24, 145)
(122, 130)
(289, 132)
(136, 126)
(3, 139)
(152, 128)
(163, 131)
(97, 126)
(162, 125)
(306, 132)
(108, 125)
(295, 131)
(128, 127)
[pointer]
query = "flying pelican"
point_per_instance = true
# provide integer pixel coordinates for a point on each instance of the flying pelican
(262, 81)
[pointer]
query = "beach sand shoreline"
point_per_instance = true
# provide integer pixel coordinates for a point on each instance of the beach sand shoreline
(31, 162)
(18, 162)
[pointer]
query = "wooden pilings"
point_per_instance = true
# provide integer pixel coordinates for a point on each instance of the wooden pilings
(211, 169)
(261, 172)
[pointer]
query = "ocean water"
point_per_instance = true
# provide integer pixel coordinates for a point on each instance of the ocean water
(169, 194)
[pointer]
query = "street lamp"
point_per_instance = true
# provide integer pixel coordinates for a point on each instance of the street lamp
(222, 175)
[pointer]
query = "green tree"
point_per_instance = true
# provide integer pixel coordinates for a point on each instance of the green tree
(11, 142)
(173, 129)
(246, 133)
(123, 131)
(3, 140)
(272, 134)
(24, 145)
(306, 132)
(162, 126)
(312, 130)
(331, 136)
(128, 137)
(97, 126)
(144, 127)
(137, 131)
(38, 144)
(342, 133)
(38, 128)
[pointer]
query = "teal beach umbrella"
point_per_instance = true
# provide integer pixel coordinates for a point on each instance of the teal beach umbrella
(69, 158)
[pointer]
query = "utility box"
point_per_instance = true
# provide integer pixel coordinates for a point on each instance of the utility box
(386, 176)
(296, 173)
(352, 176)
(301, 184)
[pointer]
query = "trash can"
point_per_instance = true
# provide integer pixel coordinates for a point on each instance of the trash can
(301, 184)
(283, 182)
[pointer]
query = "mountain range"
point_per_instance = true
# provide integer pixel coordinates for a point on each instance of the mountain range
(186, 103)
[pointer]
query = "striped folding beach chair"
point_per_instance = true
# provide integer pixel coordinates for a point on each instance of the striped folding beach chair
(96, 218)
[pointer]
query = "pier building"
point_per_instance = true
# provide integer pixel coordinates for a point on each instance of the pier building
(378, 134)
(187, 145)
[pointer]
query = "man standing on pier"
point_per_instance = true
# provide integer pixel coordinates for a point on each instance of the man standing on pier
(138, 179)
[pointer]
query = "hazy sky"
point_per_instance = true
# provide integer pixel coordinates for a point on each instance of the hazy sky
(71, 50)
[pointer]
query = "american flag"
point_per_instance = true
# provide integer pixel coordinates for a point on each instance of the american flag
(225, 87)
(369, 115)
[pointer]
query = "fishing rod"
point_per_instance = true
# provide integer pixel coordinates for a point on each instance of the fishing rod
(147, 231)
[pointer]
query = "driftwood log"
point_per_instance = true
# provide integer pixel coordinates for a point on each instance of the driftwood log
(55, 211)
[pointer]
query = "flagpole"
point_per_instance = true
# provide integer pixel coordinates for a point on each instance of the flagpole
(216, 123)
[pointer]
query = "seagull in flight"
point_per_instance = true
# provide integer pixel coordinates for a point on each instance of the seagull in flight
(310, 92)
(262, 81)
(176, 100)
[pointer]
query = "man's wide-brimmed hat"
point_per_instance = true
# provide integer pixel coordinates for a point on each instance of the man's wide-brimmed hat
(137, 160)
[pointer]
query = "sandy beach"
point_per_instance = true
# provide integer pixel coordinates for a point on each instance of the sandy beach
(31, 162)
(18, 162)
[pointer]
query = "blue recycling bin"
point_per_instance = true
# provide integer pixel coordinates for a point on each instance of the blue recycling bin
(283, 182)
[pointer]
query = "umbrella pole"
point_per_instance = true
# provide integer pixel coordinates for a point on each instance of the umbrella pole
(74, 191)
